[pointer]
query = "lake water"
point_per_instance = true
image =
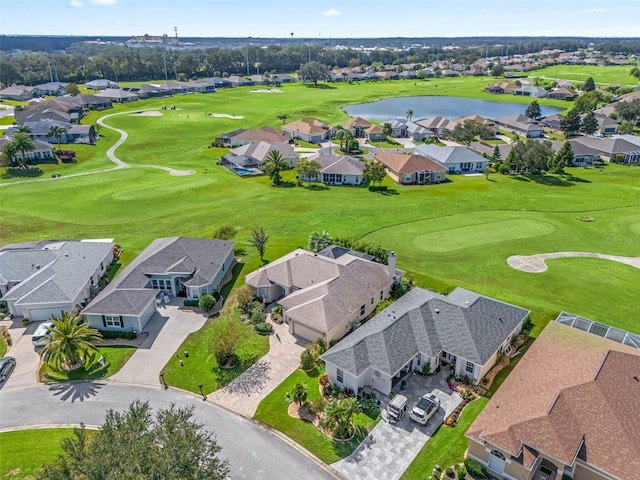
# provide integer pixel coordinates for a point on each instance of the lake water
(449, 107)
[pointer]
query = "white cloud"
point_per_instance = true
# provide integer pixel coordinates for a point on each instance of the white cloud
(332, 12)
(105, 3)
(595, 10)
(76, 4)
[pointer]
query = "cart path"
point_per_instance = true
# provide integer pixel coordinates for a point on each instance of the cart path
(536, 263)
(111, 156)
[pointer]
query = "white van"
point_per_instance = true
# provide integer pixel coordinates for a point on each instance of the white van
(42, 334)
(396, 408)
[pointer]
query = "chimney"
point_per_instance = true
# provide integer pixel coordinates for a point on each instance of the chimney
(392, 265)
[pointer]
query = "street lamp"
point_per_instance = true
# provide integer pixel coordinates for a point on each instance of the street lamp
(200, 385)
(164, 384)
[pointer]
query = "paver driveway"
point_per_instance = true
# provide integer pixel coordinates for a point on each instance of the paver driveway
(26, 355)
(245, 393)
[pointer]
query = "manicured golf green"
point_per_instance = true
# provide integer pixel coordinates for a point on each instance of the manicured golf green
(459, 233)
(611, 75)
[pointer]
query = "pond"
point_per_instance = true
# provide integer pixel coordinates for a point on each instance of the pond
(432, 106)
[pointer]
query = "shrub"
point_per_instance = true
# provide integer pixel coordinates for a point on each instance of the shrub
(257, 314)
(426, 369)
(25, 323)
(324, 380)
(111, 335)
(317, 406)
(206, 302)
(190, 303)
(263, 328)
(384, 304)
(307, 360)
(475, 468)
(461, 472)
(347, 392)
(2, 315)
(378, 188)
(320, 346)
(566, 476)
(244, 297)
(449, 472)
(67, 159)
(450, 421)
(225, 232)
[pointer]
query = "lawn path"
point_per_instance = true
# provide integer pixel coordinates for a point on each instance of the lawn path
(536, 263)
(111, 156)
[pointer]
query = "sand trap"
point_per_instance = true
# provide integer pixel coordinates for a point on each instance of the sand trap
(148, 113)
(267, 90)
(536, 263)
(226, 115)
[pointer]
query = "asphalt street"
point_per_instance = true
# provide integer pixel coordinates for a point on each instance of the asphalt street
(254, 452)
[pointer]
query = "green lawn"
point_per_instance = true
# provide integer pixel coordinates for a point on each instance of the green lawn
(3, 346)
(612, 75)
(114, 357)
(447, 446)
(303, 144)
(24, 451)
(389, 143)
(273, 411)
(201, 366)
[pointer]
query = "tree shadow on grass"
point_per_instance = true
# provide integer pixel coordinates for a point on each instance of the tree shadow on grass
(316, 188)
(550, 180)
(320, 86)
(284, 184)
(344, 449)
(388, 192)
(572, 178)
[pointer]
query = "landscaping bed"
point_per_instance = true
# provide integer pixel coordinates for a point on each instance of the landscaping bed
(114, 358)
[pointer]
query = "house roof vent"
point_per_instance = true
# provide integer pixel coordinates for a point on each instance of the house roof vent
(437, 310)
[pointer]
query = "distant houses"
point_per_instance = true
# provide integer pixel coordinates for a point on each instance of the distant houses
(309, 130)
(19, 92)
(101, 84)
(521, 125)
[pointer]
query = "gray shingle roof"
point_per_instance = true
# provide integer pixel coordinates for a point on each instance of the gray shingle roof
(340, 164)
(449, 155)
(49, 272)
(464, 324)
(199, 258)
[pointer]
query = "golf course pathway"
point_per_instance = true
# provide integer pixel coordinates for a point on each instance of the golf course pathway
(536, 263)
(111, 156)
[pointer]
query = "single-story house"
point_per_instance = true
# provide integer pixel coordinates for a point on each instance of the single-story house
(238, 81)
(218, 82)
(387, 75)
(456, 159)
(324, 297)
(411, 168)
(552, 121)
(101, 84)
(464, 330)
(610, 148)
(501, 87)
(521, 125)
(561, 93)
(337, 170)
(356, 125)
(200, 86)
(52, 88)
(173, 266)
(606, 125)
(117, 95)
(36, 112)
(569, 407)
(530, 91)
(486, 150)
(42, 150)
(242, 137)
(309, 130)
(402, 128)
(447, 72)
(254, 154)
(74, 133)
(19, 92)
(175, 88)
(437, 124)
(284, 78)
(92, 102)
(44, 278)
(375, 133)
(150, 91)
(260, 79)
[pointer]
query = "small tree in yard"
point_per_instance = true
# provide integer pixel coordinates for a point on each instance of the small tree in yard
(589, 124)
(225, 232)
(313, 71)
(564, 158)
(258, 239)
(338, 415)
(308, 169)
(206, 302)
(533, 110)
(244, 297)
(300, 394)
(72, 89)
(374, 172)
(319, 241)
(589, 85)
(307, 360)
(274, 165)
(224, 341)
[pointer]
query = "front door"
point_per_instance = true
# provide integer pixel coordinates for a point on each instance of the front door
(497, 461)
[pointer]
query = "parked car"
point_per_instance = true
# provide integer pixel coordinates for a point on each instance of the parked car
(7, 364)
(396, 408)
(426, 407)
(42, 334)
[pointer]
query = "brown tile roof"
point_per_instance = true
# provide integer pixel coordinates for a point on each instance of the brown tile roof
(264, 134)
(355, 122)
(570, 386)
(405, 163)
(309, 126)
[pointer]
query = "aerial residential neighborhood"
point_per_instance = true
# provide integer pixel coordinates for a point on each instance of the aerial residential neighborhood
(279, 241)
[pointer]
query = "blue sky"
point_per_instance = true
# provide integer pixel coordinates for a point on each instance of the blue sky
(326, 18)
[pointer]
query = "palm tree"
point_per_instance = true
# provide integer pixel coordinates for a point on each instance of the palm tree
(340, 135)
(386, 129)
(338, 415)
(23, 144)
(284, 117)
(347, 137)
(273, 165)
(9, 151)
(409, 114)
(57, 131)
(23, 129)
(71, 340)
(300, 393)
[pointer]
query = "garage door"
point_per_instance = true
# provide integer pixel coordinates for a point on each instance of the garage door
(305, 332)
(40, 314)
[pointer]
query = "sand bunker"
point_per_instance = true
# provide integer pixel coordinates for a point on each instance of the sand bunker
(536, 263)
(148, 113)
(267, 90)
(226, 115)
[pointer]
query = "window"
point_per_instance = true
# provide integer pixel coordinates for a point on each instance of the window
(479, 165)
(382, 295)
(112, 320)
(154, 283)
(362, 309)
(470, 367)
(371, 300)
(419, 358)
(507, 350)
(339, 375)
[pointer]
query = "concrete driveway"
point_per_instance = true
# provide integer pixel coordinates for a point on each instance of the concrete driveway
(167, 330)
(390, 448)
(244, 393)
(26, 355)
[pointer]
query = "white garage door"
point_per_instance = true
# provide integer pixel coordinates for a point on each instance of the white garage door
(40, 314)
(304, 332)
